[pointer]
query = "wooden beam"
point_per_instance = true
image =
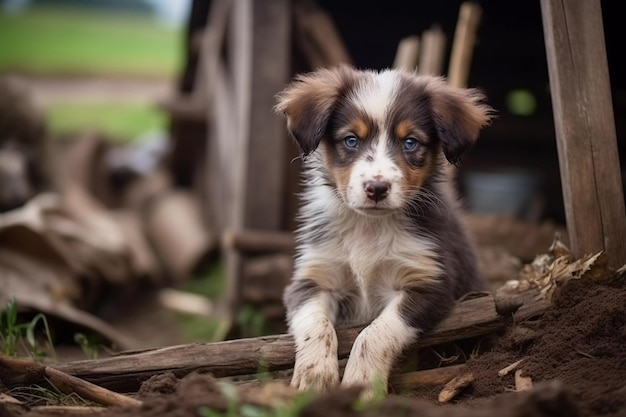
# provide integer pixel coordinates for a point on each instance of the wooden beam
(124, 373)
(585, 128)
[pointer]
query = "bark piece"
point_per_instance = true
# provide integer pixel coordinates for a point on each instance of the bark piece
(522, 383)
(426, 378)
(455, 386)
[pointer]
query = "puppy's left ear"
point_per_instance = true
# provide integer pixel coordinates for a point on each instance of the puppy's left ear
(459, 115)
(309, 101)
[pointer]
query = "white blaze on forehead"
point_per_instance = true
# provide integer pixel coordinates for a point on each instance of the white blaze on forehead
(375, 94)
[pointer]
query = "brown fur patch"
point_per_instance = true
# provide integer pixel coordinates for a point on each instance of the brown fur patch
(413, 177)
(327, 278)
(406, 128)
(341, 176)
(360, 128)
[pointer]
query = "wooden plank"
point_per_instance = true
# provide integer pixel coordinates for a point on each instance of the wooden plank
(265, 138)
(433, 51)
(585, 128)
(470, 318)
(407, 53)
(212, 91)
(258, 47)
(463, 44)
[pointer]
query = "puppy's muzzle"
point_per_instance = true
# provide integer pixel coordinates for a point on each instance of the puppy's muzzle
(377, 190)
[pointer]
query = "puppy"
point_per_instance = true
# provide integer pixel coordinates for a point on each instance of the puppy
(380, 240)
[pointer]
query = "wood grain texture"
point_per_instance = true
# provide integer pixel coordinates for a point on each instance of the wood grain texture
(585, 128)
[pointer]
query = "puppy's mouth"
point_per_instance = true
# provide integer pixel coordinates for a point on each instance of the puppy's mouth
(374, 211)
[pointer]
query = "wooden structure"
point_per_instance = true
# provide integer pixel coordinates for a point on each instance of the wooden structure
(585, 128)
(244, 55)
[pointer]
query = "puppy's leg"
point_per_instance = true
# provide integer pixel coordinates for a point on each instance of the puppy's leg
(311, 313)
(377, 347)
(407, 314)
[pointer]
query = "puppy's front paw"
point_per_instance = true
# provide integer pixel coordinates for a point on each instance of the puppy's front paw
(359, 375)
(318, 375)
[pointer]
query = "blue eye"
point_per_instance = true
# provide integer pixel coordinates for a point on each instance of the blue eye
(410, 144)
(351, 141)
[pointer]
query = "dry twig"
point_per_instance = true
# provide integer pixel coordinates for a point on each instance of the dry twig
(512, 367)
(454, 387)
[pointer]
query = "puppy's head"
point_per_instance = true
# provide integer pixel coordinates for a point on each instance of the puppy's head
(380, 134)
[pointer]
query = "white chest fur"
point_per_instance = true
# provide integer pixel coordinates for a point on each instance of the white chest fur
(378, 255)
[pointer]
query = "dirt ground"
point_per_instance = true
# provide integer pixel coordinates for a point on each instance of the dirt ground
(575, 354)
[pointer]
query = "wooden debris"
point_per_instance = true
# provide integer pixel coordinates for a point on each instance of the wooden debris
(454, 387)
(426, 378)
(522, 383)
(6, 398)
(558, 266)
(29, 372)
(124, 373)
(512, 367)
(244, 357)
(69, 384)
(59, 410)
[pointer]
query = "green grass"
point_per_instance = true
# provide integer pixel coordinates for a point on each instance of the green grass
(69, 41)
(208, 282)
(64, 41)
(17, 338)
(120, 121)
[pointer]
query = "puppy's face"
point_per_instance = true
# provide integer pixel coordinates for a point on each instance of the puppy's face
(380, 134)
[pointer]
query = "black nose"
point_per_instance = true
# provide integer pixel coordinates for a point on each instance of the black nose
(377, 190)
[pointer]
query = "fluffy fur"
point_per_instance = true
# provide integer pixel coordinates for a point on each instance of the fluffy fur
(380, 240)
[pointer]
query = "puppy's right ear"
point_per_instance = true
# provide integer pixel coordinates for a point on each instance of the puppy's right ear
(308, 102)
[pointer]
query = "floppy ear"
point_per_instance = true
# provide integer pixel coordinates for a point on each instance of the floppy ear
(459, 115)
(308, 102)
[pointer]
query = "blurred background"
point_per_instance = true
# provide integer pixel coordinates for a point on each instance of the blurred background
(148, 192)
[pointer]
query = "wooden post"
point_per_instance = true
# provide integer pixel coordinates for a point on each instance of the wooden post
(463, 44)
(433, 51)
(264, 132)
(585, 128)
(259, 45)
(407, 53)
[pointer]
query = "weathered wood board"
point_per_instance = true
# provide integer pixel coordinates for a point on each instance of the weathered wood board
(585, 128)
